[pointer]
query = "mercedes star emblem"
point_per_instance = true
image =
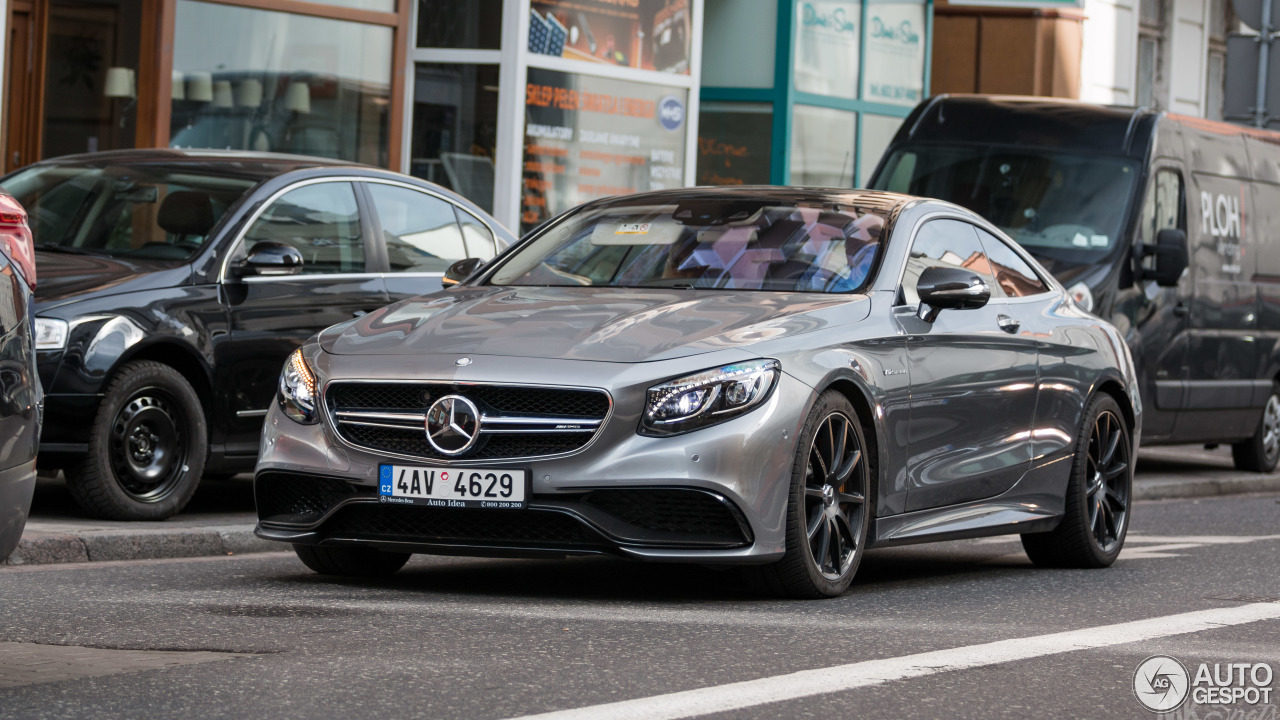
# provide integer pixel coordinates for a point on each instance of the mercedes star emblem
(453, 424)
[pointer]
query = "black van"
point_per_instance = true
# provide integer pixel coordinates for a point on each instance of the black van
(1107, 199)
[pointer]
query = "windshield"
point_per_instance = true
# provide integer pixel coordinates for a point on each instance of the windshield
(1061, 207)
(123, 211)
(711, 242)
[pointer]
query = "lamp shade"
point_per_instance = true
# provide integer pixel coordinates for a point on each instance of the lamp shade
(249, 93)
(119, 83)
(222, 94)
(199, 86)
(298, 97)
(178, 90)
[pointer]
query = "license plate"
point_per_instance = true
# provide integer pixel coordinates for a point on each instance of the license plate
(459, 487)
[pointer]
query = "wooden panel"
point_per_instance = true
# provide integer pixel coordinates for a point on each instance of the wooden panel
(155, 79)
(955, 55)
(329, 11)
(400, 66)
(1006, 57)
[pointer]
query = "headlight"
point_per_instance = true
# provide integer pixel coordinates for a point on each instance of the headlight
(51, 333)
(708, 397)
(1081, 294)
(298, 390)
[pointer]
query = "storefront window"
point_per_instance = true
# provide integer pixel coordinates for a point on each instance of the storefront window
(826, 51)
(588, 137)
(735, 142)
(250, 79)
(821, 146)
(471, 24)
(455, 128)
(739, 43)
(896, 48)
(642, 34)
(877, 133)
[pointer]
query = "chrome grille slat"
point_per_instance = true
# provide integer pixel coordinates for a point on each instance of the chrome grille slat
(518, 421)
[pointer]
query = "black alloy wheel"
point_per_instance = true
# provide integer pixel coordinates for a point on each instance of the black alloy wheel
(830, 508)
(1096, 506)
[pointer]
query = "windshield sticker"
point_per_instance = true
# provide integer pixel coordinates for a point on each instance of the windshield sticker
(632, 229)
(1099, 240)
(1080, 240)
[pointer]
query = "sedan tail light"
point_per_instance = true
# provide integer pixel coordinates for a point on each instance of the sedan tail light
(15, 238)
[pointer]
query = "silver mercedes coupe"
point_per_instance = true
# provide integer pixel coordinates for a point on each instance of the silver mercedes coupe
(777, 378)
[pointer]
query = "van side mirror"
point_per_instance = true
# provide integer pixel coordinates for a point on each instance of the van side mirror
(460, 271)
(946, 288)
(271, 259)
(1171, 257)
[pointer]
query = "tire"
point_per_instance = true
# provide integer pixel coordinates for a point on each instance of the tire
(1261, 452)
(1096, 513)
(828, 510)
(147, 446)
(350, 561)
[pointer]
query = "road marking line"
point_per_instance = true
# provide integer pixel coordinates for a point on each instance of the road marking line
(822, 681)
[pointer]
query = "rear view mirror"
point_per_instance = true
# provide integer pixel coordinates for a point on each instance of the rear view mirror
(460, 271)
(944, 288)
(1171, 257)
(272, 258)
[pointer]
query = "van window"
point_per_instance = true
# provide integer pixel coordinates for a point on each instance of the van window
(1162, 209)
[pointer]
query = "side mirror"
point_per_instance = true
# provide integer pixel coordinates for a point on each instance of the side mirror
(1171, 257)
(460, 271)
(943, 288)
(272, 259)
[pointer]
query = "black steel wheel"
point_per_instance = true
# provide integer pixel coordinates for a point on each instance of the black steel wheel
(147, 446)
(350, 561)
(1261, 452)
(830, 507)
(1096, 512)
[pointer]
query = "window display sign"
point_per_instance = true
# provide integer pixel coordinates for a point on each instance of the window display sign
(734, 144)
(826, 54)
(895, 53)
(644, 34)
(588, 137)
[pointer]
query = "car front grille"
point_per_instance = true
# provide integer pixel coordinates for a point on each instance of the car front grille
(502, 528)
(518, 421)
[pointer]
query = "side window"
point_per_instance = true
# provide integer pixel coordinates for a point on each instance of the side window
(1162, 209)
(322, 221)
(1013, 274)
(479, 239)
(420, 230)
(945, 243)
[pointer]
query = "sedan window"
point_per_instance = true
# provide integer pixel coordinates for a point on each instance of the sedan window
(1015, 276)
(322, 221)
(945, 243)
(420, 230)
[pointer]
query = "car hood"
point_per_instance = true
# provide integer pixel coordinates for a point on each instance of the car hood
(594, 324)
(64, 277)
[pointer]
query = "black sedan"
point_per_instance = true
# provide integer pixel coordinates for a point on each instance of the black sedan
(19, 386)
(175, 283)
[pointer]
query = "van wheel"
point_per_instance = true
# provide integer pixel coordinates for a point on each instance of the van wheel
(147, 447)
(1261, 452)
(1095, 517)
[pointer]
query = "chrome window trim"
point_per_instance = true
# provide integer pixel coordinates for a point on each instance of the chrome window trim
(235, 244)
(331, 425)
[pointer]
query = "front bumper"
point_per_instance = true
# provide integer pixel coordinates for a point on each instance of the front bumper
(717, 494)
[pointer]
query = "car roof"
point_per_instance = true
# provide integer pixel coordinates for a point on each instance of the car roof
(256, 165)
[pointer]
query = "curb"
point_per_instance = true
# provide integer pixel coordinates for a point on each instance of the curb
(1205, 487)
(44, 549)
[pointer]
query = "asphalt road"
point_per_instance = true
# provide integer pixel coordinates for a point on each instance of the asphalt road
(260, 636)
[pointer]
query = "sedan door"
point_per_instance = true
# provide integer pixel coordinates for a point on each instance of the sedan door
(270, 316)
(973, 380)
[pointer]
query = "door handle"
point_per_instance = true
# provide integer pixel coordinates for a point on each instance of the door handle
(1181, 310)
(1008, 324)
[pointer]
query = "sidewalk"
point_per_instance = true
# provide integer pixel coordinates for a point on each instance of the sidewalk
(220, 519)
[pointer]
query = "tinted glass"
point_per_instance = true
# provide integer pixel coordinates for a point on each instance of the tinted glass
(1013, 274)
(419, 230)
(473, 24)
(322, 221)
(124, 211)
(479, 238)
(455, 128)
(727, 243)
(945, 243)
(1064, 208)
